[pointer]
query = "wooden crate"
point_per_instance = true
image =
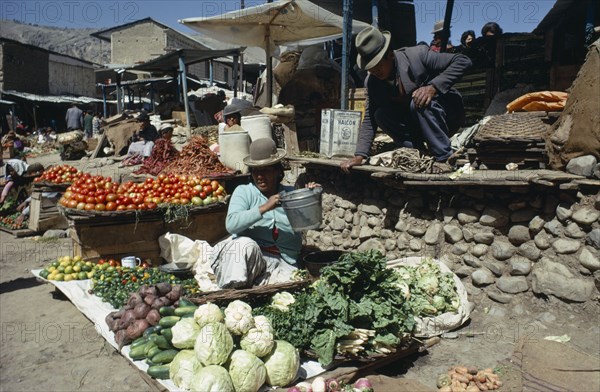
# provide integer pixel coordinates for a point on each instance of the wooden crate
(43, 213)
(357, 101)
(119, 236)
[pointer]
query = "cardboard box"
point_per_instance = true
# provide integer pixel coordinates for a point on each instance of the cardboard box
(339, 132)
(180, 117)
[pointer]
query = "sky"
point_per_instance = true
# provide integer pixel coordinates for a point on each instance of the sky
(511, 15)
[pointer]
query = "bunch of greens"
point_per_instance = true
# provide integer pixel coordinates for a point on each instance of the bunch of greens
(357, 292)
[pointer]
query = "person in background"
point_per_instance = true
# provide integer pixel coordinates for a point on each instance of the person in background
(19, 173)
(410, 97)
(232, 116)
(74, 118)
(467, 42)
(88, 124)
(486, 45)
(96, 123)
(436, 43)
(491, 29)
(24, 207)
(263, 248)
(142, 141)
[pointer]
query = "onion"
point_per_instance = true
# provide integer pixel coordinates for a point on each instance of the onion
(363, 385)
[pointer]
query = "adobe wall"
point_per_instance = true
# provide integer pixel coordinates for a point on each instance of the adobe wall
(502, 242)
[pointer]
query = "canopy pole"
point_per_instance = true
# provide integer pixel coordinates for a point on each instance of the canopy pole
(346, 44)
(152, 97)
(269, 68)
(104, 100)
(119, 106)
(185, 96)
(447, 20)
(235, 75)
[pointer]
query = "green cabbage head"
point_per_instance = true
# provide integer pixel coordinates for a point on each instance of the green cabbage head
(208, 313)
(238, 317)
(212, 378)
(247, 372)
(258, 342)
(213, 344)
(183, 367)
(185, 332)
(282, 364)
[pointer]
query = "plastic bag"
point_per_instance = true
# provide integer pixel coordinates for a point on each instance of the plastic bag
(434, 326)
(550, 101)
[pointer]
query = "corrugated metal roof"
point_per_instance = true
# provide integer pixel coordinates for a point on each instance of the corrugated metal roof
(51, 98)
(3, 102)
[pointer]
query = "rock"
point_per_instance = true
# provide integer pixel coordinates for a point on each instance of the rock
(386, 233)
(356, 219)
(574, 231)
(585, 216)
(482, 277)
(582, 166)
(589, 260)
(363, 220)
(416, 231)
(467, 215)
(596, 174)
(472, 291)
(348, 216)
(547, 318)
(565, 246)
(498, 296)
(340, 212)
(522, 216)
(402, 241)
(337, 224)
(519, 266)
(518, 235)
(459, 249)
(496, 217)
(463, 272)
(593, 238)
(326, 240)
(512, 284)
(554, 227)
(479, 250)
(484, 237)
(542, 240)
(496, 267)
(502, 250)
(371, 209)
(365, 233)
(472, 261)
(468, 235)
(597, 202)
(597, 280)
(498, 313)
(373, 221)
(401, 225)
(337, 240)
(389, 244)
(536, 224)
(453, 233)
(448, 214)
(433, 233)
(355, 232)
(563, 212)
(345, 204)
(415, 244)
(348, 244)
(550, 278)
(517, 205)
(55, 234)
(372, 243)
(529, 251)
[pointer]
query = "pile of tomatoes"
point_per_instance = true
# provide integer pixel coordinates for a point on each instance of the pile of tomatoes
(100, 193)
(59, 175)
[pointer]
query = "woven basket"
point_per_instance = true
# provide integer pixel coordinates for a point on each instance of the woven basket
(513, 127)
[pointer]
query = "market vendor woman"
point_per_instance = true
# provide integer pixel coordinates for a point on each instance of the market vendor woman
(263, 248)
(18, 173)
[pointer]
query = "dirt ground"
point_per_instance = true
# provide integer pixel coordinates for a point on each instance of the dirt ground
(46, 344)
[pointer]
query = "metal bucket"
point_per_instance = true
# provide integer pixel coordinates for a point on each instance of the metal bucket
(303, 208)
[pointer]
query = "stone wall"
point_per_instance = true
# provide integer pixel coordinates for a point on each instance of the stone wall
(501, 241)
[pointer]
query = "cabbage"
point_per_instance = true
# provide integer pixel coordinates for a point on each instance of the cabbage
(184, 333)
(247, 371)
(262, 323)
(282, 301)
(208, 313)
(429, 283)
(213, 344)
(282, 364)
(258, 342)
(183, 367)
(212, 378)
(238, 317)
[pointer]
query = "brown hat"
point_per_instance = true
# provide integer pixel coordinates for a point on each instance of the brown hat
(264, 152)
(33, 170)
(438, 27)
(371, 45)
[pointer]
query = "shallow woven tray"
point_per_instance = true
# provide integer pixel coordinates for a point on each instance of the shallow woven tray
(160, 210)
(513, 127)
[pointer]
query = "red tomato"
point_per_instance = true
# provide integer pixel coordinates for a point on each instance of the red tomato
(100, 207)
(80, 206)
(183, 200)
(121, 207)
(131, 207)
(89, 206)
(207, 189)
(72, 203)
(111, 197)
(90, 199)
(214, 184)
(112, 262)
(100, 198)
(101, 261)
(111, 206)
(202, 195)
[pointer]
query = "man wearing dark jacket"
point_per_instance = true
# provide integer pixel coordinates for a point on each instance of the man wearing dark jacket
(409, 96)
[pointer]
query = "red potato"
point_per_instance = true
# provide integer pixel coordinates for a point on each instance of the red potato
(136, 329)
(153, 317)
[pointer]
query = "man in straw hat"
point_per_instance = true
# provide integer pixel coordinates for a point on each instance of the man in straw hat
(409, 96)
(263, 247)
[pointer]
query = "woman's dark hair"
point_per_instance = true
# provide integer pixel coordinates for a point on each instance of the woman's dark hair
(463, 37)
(491, 27)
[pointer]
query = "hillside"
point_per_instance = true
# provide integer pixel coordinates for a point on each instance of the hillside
(73, 42)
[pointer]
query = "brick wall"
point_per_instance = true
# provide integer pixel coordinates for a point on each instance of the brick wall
(24, 69)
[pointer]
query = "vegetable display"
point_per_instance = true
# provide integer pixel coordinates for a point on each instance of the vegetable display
(62, 174)
(66, 269)
(359, 307)
(198, 159)
(10, 222)
(468, 379)
(162, 154)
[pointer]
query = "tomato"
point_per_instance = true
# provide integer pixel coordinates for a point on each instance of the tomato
(100, 198)
(214, 184)
(72, 203)
(90, 200)
(89, 206)
(183, 200)
(100, 207)
(111, 206)
(121, 207)
(79, 197)
(131, 207)
(112, 262)
(111, 197)
(202, 195)
(207, 189)
(101, 261)
(80, 206)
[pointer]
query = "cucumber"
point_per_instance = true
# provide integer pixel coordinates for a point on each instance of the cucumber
(160, 372)
(150, 330)
(139, 341)
(183, 310)
(148, 347)
(166, 311)
(168, 321)
(167, 333)
(188, 315)
(138, 352)
(153, 351)
(162, 342)
(165, 356)
(184, 303)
